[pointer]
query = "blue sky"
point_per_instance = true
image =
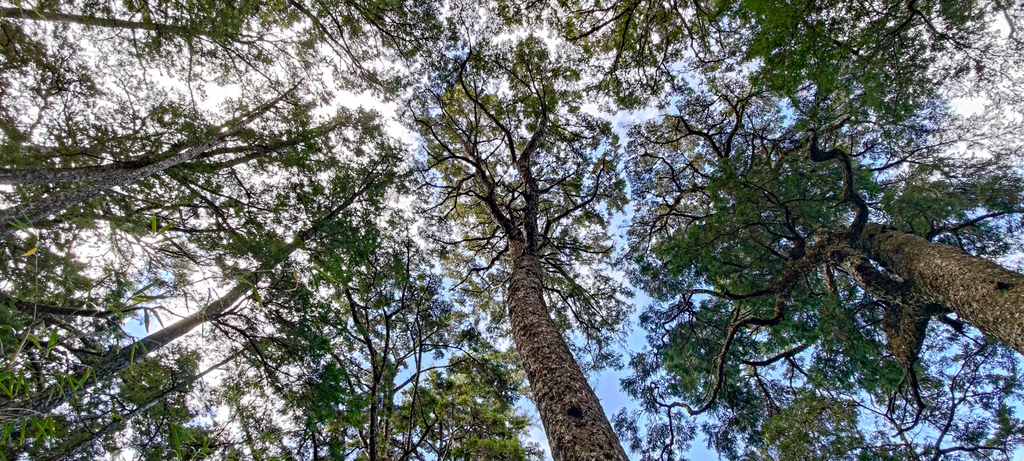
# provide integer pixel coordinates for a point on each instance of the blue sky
(607, 383)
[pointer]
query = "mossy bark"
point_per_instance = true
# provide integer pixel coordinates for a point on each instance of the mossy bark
(576, 425)
(981, 292)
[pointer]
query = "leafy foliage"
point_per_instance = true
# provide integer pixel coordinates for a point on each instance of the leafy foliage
(204, 253)
(484, 108)
(743, 236)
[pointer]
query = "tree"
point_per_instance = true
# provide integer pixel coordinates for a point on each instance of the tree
(745, 228)
(99, 179)
(790, 136)
(524, 184)
(269, 211)
(804, 211)
(77, 134)
(84, 172)
(63, 125)
(371, 361)
(252, 217)
(161, 194)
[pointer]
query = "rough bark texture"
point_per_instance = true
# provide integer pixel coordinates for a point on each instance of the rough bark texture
(57, 176)
(576, 425)
(906, 317)
(981, 292)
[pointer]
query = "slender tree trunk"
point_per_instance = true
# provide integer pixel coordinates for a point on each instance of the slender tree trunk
(60, 176)
(118, 423)
(54, 396)
(981, 292)
(43, 207)
(94, 21)
(576, 425)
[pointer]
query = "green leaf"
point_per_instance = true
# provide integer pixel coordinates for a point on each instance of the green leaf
(164, 229)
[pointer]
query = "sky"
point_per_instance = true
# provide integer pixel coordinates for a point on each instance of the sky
(606, 384)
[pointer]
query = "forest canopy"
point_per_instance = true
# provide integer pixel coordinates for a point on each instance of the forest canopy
(417, 230)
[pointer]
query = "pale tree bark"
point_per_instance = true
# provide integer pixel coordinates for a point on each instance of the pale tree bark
(985, 294)
(56, 395)
(94, 21)
(43, 207)
(36, 309)
(576, 426)
(236, 155)
(58, 176)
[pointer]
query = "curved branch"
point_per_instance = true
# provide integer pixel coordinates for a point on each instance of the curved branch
(775, 358)
(849, 192)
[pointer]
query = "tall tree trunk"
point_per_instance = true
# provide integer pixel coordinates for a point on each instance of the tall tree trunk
(981, 292)
(576, 425)
(43, 207)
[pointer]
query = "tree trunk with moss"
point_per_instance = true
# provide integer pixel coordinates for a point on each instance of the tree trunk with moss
(983, 293)
(576, 425)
